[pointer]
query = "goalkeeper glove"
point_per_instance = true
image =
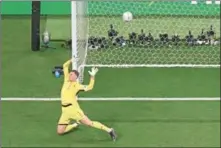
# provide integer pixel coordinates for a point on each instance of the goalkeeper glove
(93, 71)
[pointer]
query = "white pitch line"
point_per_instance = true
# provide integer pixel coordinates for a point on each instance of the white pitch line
(154, 66)
(115, 99)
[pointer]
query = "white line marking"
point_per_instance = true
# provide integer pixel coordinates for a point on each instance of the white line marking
(193, 2)
(209, 2)
(114, 99)
(154, 66)
(217, 2)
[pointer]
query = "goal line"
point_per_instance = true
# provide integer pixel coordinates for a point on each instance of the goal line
(115, 99)
(152, 66)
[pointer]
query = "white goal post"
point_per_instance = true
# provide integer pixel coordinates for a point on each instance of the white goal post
(161, 34)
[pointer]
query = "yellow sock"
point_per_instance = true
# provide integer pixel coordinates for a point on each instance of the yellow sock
(100, 126)
(70, 127)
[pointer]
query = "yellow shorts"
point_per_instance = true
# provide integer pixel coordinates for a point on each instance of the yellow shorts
(70, 113)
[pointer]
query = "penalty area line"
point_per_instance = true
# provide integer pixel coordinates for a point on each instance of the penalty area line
(115, 99)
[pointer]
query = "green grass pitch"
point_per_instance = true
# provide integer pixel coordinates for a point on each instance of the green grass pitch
(138, 123)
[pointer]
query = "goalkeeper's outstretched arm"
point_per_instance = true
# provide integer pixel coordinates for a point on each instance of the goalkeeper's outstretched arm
(90, 86)
(66, 69)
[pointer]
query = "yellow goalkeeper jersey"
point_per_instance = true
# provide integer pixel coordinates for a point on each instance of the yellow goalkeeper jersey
(70, 89)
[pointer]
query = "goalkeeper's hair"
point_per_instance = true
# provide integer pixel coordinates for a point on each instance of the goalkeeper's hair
(76, 72)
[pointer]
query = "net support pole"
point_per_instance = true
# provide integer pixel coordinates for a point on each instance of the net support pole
(35, 25)
(74, 33)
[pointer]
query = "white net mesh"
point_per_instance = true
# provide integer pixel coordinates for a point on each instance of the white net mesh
(174, 34)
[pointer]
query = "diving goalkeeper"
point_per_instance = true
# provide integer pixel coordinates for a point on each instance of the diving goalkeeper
(70, 107)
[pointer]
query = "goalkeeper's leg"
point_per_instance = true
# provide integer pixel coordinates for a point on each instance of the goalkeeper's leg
(86, 121)
(63, 129)
(64, 125)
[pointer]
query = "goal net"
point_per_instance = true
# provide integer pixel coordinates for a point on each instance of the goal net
(161, 34)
